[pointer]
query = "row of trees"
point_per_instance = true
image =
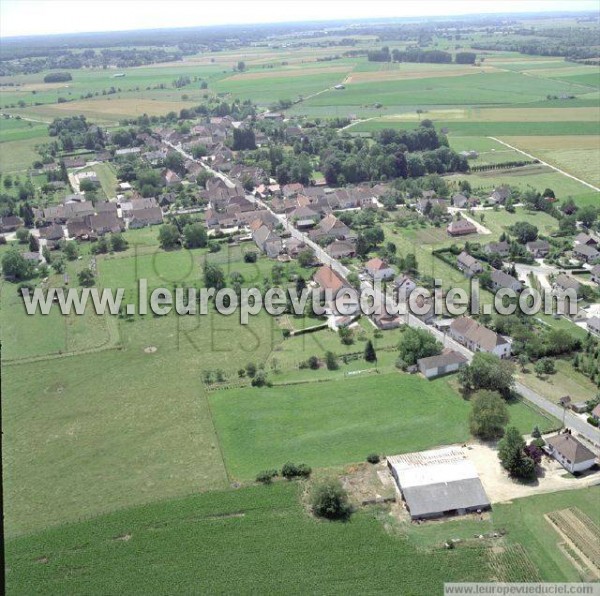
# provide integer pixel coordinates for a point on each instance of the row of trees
(419, 55)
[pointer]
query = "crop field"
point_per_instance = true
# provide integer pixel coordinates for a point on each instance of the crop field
(340, 421)
(235, 540)
(526, 524)
(577, 155)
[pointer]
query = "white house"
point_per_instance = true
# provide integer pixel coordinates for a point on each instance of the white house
(478, 338)
(570, 453)
(379, 269)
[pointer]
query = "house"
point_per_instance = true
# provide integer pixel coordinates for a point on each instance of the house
(461, 227)
(596, 413)
(447, 362)
(10, 223)
(538, 248)
(463, 202)
(570, 453)
(294, 188)
(104, 223)
(469, 265)
(500, 195)
(500, 280)
(330, 284)
(386, 321)
(593, 325)
(565, 282)
(478, 338)
(33, 257)
(52, 233)
(330, 227)
(425, 204)
(340, 249)
(586, 252)
(170, 178)
(497, 248)
(304, 217)
(585, 239)
(79, 230)
(404, 286)
(140, 218)
(268, 241)
(595, 274)
(379, 269)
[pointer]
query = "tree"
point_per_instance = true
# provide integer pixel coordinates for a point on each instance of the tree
(118, 243)
(241, 66)
(512, 456)
(331, 361)
(22, 235)
(587, 215)
(251, 369)
(370, 354)
(195, 236)
(330, 500)
(266, 476)
(487, 371)
(34, 245)
(524, 232)
(86, 278)
(489, 416)
(544, 366)
(168, 236)
(70, 251)
(15, 266)
(291, 470)
(306, 258)
(417, 343)
(214, 277)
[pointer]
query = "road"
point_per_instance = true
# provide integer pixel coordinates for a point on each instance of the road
(545, 163)
(571, 421)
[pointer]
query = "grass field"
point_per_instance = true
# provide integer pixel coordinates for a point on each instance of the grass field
(252, 540)
(342, 421)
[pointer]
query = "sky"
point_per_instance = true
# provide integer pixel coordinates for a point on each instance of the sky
(39, 17)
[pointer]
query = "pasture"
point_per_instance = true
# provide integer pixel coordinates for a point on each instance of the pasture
(341, 421)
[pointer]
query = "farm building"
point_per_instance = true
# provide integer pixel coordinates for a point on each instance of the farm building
(570, 453)
(438, 482)
(447, 362)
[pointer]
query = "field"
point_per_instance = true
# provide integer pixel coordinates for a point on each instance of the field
(341, 421)
(251, 540)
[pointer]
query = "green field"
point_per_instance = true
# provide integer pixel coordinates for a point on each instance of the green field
(337, 422)
(252, 540)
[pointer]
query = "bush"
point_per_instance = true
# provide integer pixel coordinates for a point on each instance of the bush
(331, 361)
(592, 421)
(260, 380)
(313, 362)
(266, 476)
(373, 458)
(250, 257)
(330, 500)
(291, 470)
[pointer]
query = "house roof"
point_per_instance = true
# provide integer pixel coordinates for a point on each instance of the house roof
(570, 448)
(469, 261)
(538, 245)
(497, 247)
(583, 238)
(376, 264)
(462, 226)
(596, 270)
(503, 279)
(566, 282)
(587, 251)
(478, 334)
(340, 247)
(328, 279)
(446, 358)
(596, 411)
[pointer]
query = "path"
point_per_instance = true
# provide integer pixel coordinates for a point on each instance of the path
(545, 163)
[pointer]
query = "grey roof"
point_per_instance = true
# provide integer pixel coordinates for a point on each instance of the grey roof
(503, 279)
(433, 499)
(444, 359)
(569, 447)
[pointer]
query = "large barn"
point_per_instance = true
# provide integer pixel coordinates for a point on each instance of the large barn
(438, 482)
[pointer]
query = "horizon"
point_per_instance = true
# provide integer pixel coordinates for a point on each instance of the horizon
(18, 20)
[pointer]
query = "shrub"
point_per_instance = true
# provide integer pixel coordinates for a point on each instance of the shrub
(331, 361)
(373, 458)
(266, 476)
(313, 362)
(291, 470)
(260, 380)
(330, 500)
(592, 421)
(250, 257)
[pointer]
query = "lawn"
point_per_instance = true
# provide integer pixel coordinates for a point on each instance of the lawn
(341, 421)
(253, 540)
(566, 381)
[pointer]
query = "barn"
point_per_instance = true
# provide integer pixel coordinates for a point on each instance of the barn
(438, 482)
